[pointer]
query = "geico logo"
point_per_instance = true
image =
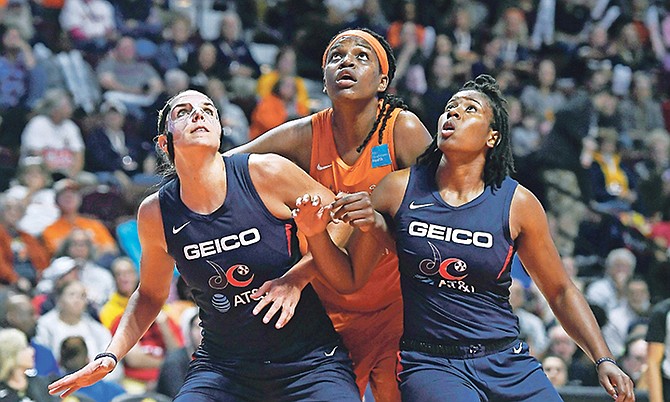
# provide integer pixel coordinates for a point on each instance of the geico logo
(225, 243)
(454, 235)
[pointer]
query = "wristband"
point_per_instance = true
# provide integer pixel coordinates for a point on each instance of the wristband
(603, 360)
(107, 354)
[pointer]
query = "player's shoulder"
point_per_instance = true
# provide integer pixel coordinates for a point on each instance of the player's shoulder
(149, 207)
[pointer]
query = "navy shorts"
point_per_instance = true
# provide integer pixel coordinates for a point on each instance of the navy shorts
(324, 374)
(510, 374)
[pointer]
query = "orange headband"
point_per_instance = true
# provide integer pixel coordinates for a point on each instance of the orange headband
(376, 46)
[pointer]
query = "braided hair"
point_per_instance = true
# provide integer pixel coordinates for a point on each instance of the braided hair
(390, 101)
(499, 159)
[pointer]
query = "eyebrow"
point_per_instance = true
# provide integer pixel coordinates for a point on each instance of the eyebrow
(466, 98)
(188, 103)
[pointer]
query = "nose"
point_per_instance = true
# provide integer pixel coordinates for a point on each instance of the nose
(197, 113)
(453, 112)
(347, 59)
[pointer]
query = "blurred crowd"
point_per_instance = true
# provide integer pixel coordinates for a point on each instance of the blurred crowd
(81, 82)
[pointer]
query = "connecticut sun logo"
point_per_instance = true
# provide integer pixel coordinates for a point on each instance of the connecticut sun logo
(451, 269)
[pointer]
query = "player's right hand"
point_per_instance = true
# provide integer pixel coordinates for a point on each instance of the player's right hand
(87, 375)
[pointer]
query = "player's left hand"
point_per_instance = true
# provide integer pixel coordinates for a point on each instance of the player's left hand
(616, 382)
(280, 294)
(310, 215)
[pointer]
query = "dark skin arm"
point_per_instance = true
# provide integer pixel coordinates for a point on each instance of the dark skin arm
(279, 182)
(536, 249)
(293, 140)
(349, 271)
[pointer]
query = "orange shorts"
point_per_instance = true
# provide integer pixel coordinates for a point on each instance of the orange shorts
(372, 339)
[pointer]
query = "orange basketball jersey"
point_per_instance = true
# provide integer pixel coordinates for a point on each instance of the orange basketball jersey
(375, 162)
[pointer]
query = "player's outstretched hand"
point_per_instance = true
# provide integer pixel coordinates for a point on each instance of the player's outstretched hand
(87, 375)
(280, 294)
(616, 382)
(310, 215)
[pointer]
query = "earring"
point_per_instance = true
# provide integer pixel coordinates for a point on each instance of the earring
(324, 90)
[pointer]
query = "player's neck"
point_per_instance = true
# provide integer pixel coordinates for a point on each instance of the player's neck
(203, 185)
(352, 124)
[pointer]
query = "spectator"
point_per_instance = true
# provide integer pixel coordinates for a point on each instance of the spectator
(52, 135)
(22, 256)
(425, 35)
(634, 360)
(138, 19)
(89, 24)
(203, 65)
(68, 199)
(441, 86)
(173, 369)
(410, 77)
(543, 99)
(511, 28)
(98, 281)
(371, 15)
(32, 189)
(612, 183)
(178, 45)
(70, 318)
(16, 358)
(126, 280)
(114, 153)
(531, 327)
(621, 319)
(556, 370)
(278, 107)
(561, 345)
(61, 270)
(142, 363)
(18, 89)
(234, 121)
(18, 14)
(21, 315)
(128, 80)
(74, 355)
(609, 291)
(144, 359)
(642, 107)
(654, 174)
(236, 58)
(284, 66)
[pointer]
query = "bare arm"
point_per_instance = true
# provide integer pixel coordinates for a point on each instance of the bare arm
(655, 354)
(292, 140)
(143, 306)
(280, 182)
(411, 138)
(368, 242)
(537, 252)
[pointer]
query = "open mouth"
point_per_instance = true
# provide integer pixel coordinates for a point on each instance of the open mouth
(344, 77)
(448, 127)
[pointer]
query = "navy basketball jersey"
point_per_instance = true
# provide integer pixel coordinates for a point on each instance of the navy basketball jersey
(225, 256)
(455, 263)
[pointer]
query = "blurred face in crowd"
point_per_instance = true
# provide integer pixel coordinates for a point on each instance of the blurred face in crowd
(125, 276)
(561, 344)
(72, 302)
(556, 370)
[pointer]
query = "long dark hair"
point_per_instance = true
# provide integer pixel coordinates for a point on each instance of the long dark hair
(499, 160)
